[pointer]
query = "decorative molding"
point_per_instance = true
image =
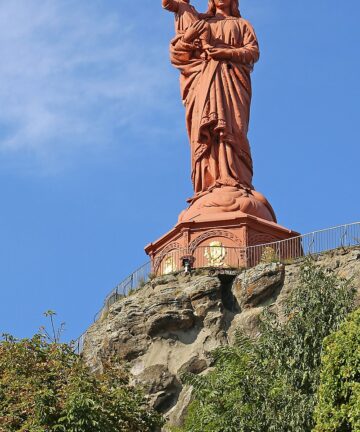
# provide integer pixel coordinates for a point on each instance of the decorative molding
(211, 234)
(170, 247)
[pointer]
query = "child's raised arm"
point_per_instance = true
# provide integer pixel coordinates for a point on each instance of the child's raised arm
(171, 5)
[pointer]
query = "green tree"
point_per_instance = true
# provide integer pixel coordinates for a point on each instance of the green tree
(270, 384)
(45, 387)
(338, 406)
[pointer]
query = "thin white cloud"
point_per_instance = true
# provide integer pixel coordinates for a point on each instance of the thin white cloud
(69, 75)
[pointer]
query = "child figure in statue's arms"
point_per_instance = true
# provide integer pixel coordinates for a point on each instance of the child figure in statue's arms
(187, 16)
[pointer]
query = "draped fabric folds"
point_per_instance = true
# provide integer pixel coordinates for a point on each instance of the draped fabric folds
(217, 98)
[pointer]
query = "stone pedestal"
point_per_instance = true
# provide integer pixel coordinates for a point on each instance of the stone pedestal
(221, 228)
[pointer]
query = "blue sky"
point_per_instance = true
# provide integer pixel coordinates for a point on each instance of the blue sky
(94, 159)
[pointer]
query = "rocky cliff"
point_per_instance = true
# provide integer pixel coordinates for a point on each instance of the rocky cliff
(173, 323)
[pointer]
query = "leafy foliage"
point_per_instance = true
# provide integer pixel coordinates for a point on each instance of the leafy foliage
(339, 393)
(44, 386)
(270, 384)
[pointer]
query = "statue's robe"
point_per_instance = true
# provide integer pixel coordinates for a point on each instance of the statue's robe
(217, 98)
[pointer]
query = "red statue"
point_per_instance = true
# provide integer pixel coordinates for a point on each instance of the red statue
(215, 53)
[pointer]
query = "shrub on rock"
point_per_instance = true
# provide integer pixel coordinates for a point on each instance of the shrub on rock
(44, 386)
(338, 406)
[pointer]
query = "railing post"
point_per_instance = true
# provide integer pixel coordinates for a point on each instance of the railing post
(343, 236)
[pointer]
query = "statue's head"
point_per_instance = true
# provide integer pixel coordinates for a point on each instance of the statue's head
(234, 7)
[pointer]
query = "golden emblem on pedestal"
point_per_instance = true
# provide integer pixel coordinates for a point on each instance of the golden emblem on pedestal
(215, 254)
(169, 265)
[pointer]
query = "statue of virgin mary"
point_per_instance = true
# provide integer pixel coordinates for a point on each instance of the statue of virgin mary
(216, 91)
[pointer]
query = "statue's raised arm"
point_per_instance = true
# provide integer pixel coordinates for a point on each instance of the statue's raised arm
(185, 14)
(171, 5)
(189, 21)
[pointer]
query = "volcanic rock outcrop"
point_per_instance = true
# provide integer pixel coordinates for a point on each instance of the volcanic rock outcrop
(171, 325)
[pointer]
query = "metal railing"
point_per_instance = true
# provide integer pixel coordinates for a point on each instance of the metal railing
(343, 236)
(133, 282)
(220, 256)
(138, 278)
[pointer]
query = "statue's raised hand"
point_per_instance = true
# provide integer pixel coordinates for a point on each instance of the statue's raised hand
(194, 31)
